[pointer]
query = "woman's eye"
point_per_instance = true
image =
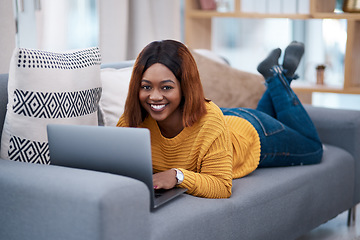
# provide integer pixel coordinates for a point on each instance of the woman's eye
(145, 87)
(167, 87)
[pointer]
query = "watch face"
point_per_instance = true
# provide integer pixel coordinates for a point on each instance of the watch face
(179, 176)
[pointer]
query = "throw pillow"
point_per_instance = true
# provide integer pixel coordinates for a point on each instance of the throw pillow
(115, 84)
(227, 86)
(48, 88)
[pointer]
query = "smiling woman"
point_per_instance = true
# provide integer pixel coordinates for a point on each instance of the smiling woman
(167, 98)
(198, 146)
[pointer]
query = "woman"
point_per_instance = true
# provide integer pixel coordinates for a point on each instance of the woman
(198, 146)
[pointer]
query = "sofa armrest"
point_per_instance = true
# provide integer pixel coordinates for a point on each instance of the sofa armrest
(340, 128)
(51, 202)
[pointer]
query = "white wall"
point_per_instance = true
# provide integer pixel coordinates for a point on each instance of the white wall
(7, 34)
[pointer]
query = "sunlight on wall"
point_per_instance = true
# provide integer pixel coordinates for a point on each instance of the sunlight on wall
(335, 36)
(332, 100)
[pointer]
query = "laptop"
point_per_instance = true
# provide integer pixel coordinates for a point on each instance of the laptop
(117, 150)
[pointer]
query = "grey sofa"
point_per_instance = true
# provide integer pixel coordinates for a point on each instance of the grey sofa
(51, 202)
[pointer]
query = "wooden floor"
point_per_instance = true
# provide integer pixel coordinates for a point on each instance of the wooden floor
(336, 229)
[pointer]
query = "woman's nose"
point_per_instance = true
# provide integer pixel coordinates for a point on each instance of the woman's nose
(156, 95)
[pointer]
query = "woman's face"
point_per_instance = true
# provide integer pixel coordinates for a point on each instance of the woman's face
(160, 95)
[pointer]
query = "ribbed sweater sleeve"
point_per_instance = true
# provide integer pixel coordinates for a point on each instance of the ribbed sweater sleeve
(213, 176)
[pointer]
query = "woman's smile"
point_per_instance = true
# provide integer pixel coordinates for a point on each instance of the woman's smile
(158, 107)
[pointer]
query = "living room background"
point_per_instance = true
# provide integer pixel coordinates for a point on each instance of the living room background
(122, 28)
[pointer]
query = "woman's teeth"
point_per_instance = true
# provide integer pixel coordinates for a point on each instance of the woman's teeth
(157, 107)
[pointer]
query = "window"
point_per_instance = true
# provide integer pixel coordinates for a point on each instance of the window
(246, 42)
(56, 25)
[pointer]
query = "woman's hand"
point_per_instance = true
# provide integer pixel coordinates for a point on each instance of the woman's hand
(165, 180)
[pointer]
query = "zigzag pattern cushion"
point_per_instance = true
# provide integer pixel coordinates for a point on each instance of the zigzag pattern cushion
(48, 88)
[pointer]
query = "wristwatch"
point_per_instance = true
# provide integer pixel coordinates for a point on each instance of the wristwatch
(179, 176)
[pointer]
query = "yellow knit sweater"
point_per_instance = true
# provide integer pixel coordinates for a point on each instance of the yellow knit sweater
(210, 153)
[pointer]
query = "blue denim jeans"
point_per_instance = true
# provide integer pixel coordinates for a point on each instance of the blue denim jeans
(288, 136)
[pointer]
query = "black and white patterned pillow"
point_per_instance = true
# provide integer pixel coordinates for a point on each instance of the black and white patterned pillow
(47, 87)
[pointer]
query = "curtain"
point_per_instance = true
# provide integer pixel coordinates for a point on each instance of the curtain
(127, 26)
(121, 28)
(7, 34)
(151, 20)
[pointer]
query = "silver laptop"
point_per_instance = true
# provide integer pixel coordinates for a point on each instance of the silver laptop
(123, 151)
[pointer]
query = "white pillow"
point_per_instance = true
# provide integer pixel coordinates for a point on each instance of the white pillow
(48, 88)
(115, 83)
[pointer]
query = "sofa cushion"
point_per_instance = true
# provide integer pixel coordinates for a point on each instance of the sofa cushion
(228, 86)
(115, 84)
(43, 88)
